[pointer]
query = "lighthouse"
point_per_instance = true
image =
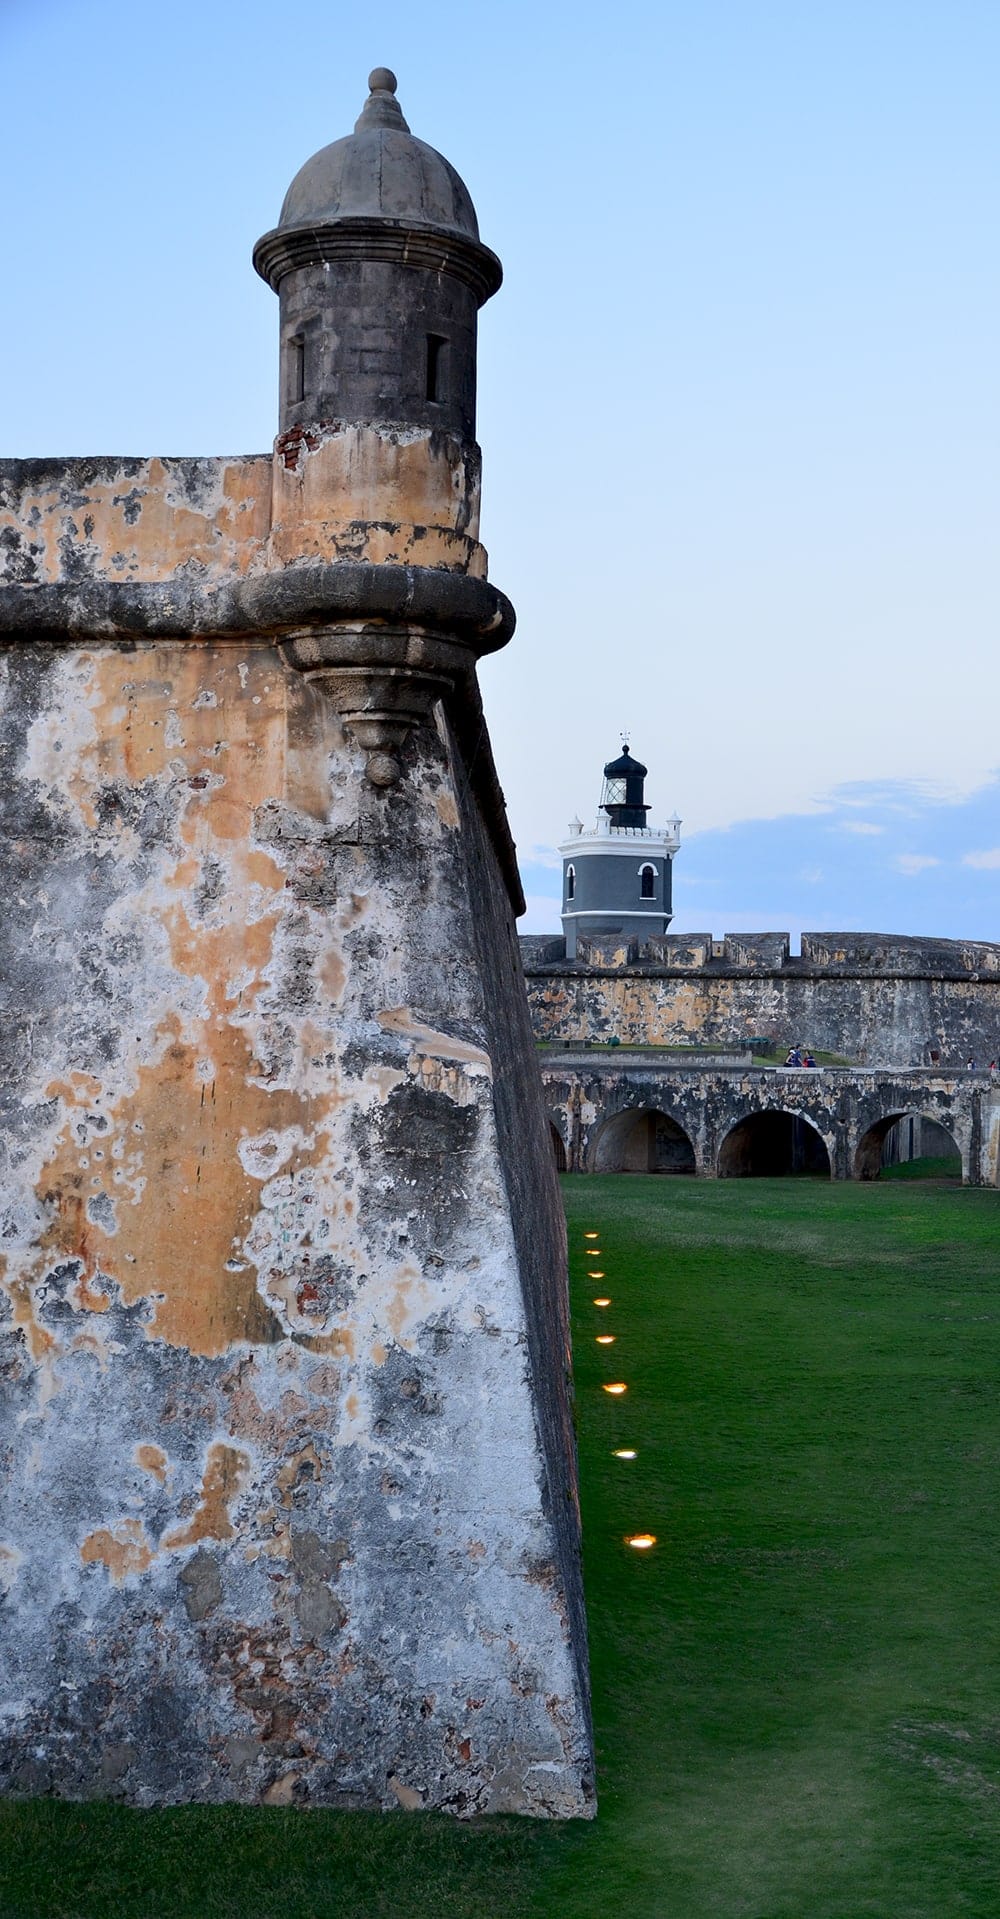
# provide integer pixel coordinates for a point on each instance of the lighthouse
(617, 876)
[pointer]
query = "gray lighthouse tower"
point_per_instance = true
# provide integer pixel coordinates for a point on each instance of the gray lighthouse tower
(617, 877)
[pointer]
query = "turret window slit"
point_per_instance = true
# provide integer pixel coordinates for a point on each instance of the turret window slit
(436, 351)
(570, 882)
(296, 368)
(647, 882)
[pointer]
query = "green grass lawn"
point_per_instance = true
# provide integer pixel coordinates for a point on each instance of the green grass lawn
(797, 1690)
(946, 1166)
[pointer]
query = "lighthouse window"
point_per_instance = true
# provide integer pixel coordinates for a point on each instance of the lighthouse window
(435, 367)
(647, 882)
(570, 882)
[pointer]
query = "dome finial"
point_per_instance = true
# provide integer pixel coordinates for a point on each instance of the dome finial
(381, 109)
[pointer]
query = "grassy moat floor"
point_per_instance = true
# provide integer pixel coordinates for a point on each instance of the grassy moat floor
(796, 1690)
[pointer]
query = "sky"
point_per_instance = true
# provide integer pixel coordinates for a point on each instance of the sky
(739, 393)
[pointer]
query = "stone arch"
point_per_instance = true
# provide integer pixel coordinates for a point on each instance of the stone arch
(641, 1139)
(774, 1144)
(558, 1147)
(868, 1157)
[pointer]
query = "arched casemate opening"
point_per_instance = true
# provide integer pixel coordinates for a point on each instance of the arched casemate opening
(641, 1140)
(558, 1147)
(908, 1146)
(773, 1145)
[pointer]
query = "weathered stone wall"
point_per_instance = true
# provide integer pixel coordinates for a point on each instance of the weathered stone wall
(286, 1452)
(288, 1502)
(391, 495)
(689, 1113)
(871, 998)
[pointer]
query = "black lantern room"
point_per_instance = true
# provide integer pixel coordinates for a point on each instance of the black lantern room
(623, 795)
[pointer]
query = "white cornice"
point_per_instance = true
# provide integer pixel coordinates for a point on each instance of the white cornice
(634, 845)
(614, 913)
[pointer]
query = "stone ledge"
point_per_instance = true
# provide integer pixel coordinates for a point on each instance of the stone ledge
(358, 237)
(262, 603)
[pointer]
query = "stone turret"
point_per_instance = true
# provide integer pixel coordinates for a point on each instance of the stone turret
(290, 1482)
(380, 274)
(617, 879)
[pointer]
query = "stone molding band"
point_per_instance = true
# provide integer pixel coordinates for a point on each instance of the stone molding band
(358, 238)
(470, 610)
(350, 624)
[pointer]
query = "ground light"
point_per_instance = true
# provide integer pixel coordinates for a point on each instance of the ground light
(602, 1302)
(591, 1235)
(625, 1452)
(606, 1339)
(619, 1386)
(641, 1541)
(593, 1275)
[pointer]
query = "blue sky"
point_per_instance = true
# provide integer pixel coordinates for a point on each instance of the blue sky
(739, 395)
(873, 858)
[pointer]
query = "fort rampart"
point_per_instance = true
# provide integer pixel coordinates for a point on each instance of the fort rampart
(872, 999)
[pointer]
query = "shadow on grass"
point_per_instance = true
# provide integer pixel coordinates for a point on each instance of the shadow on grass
(245, 1862)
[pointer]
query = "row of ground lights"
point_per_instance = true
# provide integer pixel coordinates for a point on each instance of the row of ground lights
(641, 1541)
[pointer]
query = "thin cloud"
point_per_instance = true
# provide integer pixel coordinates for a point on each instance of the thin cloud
(859, 826)
(544, 856)
(986, 861)
(911, 863)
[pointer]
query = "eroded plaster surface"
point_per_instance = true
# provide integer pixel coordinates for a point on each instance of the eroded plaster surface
(287, 1501)
(334, 491)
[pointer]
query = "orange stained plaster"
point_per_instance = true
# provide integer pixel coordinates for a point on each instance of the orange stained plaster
(225, 1472)
(333, 974)
(40, 1342)
(206, 713)
(399, 1312)
(87, 1343)
(308, 1461)
(180, 1128)
(153, 1460)
(226, 535)
(124, 1551)
(447, 811)
(88, 1298)
(173, 1244)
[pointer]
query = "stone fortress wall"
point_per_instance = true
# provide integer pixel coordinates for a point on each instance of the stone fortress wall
(872, 998)
(288, 1505)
